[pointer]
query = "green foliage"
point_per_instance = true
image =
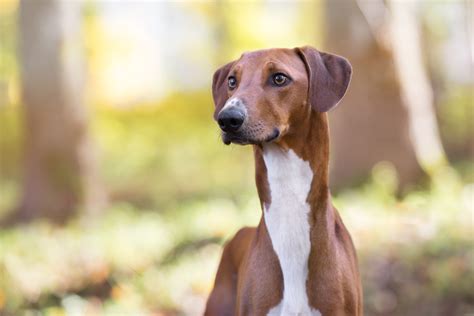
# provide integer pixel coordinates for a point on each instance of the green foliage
(10, 141)
(415, 254)
(456, 115)
(8, 42)
(168, 153)
(122, 260)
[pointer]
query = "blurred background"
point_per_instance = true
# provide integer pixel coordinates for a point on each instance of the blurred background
(117, 194)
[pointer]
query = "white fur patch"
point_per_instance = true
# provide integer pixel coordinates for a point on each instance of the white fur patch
(286, 218)
(234, 102)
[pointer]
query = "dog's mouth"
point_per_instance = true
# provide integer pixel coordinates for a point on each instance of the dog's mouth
(240, 139)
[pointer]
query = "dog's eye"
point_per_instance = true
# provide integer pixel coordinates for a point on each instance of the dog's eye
(279, 79)
(232, 82)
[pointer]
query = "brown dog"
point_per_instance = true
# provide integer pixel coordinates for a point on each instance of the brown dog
(300, 259)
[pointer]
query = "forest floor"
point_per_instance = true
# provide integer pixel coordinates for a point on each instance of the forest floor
(415, 254)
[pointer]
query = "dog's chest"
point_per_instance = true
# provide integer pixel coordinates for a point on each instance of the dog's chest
(286, 219)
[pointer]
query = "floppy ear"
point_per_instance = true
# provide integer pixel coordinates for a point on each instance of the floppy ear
(328, 75)
(219, 87)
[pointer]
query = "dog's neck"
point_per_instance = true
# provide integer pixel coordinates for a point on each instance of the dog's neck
(308, 141)
(292, 182)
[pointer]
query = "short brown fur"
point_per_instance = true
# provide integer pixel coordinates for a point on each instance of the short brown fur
(249, 280)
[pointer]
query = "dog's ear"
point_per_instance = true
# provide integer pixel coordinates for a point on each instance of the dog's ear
(328, 75)
(219, 87)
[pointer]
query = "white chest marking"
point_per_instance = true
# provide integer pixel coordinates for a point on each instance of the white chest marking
(286, 218)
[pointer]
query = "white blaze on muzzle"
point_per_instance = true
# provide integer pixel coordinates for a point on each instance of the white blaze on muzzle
(235, 102)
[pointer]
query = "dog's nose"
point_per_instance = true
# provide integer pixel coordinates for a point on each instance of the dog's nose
(231, 119)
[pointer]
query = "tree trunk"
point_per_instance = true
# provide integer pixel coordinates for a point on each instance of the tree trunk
(59, 172)
(416, 88)
(372, 122)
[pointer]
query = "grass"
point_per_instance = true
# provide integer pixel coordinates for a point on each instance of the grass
(415, 255)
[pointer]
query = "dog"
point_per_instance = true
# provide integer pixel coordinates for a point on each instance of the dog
(300, 259)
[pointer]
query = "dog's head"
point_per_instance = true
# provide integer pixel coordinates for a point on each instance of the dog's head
(259, 97)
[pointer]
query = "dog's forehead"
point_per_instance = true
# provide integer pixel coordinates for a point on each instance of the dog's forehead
(263, 57)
